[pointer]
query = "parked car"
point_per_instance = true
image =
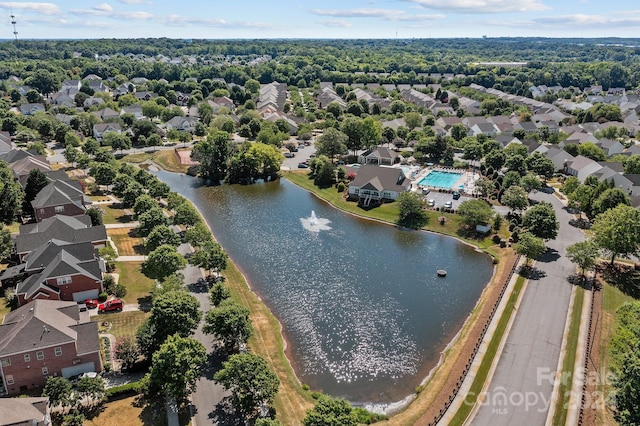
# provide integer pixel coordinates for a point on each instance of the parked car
(303, 166)
(113, 305)
(456, 195)
(289, 154)
(431, 202)
(91, 303)
(448, 205)
(425, 191)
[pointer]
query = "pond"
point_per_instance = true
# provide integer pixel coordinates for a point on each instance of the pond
(363, 311)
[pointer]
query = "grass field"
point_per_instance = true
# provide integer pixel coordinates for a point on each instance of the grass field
(137, 284)
(113, 214)
(166, 158)
(122, 323)
(128, 244)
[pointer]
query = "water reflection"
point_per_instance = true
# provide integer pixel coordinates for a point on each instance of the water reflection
(361, 307)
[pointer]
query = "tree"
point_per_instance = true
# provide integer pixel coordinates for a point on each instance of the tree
(515, 198)
(475, 212)
(617, 231)
(582, 198)
(251, 382)
(583, 254)
(177, 366)
(91, 146)
(495, 159)
(163, 262)
(197, 235)
(332, 143)
(91, 388)
(103, 173)
(161, 235)
(591, 150)
(174, 282)
(150, 219)
(35, 182)
(458, 131)
(213, 154)
(472, 151)
(530, 183)
(131, 193)
(626, 363)
(330, 411)
(540, 220)
(609, 199)
(529, 246)
(186, 215)
(95, 213)
(44, 81)
(217, 293)
(485, 186)
(59, 391)
(632, 165)
(229, 323)
(411, 215)
(143, 204)
(209, 256)
(126, 351)
(413, 119)
(371, 132)
(540, 165)
(571, 183)
(11, 195)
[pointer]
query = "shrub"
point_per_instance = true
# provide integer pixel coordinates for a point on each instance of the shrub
(496, 238)
(119, 290)
(128, 389)
(108, 283)
(103, 296)
(341, 187)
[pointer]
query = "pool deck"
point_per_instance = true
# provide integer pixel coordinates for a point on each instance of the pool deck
(467, 179)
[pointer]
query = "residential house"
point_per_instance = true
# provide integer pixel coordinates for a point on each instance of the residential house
(582, 167)
(92, 101)
(145, 95)
(135, 110)
(559, 157)
(71, 85)
(373, 184)
(33, 411)
(22, 167)
(71, 229)
(31, 108)
(99, 129)
(60, 197)
(379, 155)
(186, 124)
(329, 95)
(46, 339)
(487, 129)
(222, 102)
(107, 114)
(272, 97)
(610, 147)
(59, 270)
(63, 98)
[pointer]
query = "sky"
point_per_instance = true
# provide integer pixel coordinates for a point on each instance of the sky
(250, 19)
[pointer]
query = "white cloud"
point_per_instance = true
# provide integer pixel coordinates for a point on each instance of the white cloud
(104, 7)
(335, 23)
(387, 14)
(588, 20)
(483, 6)
(45, 8)
(132, 1)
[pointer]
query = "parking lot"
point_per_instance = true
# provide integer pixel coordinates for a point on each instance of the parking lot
(303, 154)
(440, 198)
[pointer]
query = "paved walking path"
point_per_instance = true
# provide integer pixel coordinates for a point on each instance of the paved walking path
(131, 258)
(133, 224)
(521, 389)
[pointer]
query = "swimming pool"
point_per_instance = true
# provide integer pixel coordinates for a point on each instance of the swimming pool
(439, 179)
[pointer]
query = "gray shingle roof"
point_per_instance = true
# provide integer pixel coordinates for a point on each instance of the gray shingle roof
(59, 193)
(75, 229)
(14, 411)
(381, 178)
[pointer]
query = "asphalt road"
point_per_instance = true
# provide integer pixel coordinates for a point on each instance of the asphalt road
(521, 388)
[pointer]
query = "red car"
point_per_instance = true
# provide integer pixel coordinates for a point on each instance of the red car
(114, 305)
(91, 303)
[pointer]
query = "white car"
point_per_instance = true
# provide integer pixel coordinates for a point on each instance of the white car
(431, 202)
(425, 191)
(448, 205)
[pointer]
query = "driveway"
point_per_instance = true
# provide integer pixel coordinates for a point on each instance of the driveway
(520, 390)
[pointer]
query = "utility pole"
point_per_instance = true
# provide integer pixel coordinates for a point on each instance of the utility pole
(13, 22)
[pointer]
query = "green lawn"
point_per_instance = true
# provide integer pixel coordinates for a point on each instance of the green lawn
(568, 362)
(137, 284)
(114, 214)
(388, 212)
(122, 323)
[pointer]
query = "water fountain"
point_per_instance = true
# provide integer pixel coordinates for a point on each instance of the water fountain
(315, 224)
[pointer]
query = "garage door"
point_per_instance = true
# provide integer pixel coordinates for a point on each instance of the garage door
(78, 369)
(81, 296)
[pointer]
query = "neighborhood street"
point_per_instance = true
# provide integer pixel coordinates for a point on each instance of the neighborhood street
(521, 388)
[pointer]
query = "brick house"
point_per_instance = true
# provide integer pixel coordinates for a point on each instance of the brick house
(59, 197)
(62, 271)
(46, 339)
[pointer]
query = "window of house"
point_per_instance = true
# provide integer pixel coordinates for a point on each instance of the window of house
(6, 362)
(40, 355)
(41, 211)
(64, 280)
(45, 371)
(27, 357)
(9, 379)
(59, 209)
(58, 351)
